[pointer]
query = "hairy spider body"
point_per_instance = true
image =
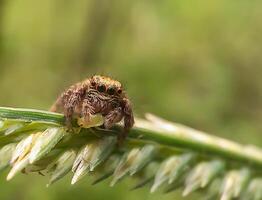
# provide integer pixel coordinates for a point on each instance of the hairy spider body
(98, 94)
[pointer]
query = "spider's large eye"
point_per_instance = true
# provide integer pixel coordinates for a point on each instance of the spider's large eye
(111, 90)
(101, 88)
(119, 91)
(93, 83)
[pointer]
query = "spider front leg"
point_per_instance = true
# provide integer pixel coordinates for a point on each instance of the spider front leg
(70, 101)
(128, 115)
(113, 117)
(87, 111)
(70, 107)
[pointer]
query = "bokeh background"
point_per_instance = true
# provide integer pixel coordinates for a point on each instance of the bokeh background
(194, 62)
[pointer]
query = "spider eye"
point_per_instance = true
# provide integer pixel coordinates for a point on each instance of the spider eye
(119, 91)
(111, 90)
(101, 88)
(93, 83)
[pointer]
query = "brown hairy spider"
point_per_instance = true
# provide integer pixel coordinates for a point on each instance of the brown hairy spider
(98, 94)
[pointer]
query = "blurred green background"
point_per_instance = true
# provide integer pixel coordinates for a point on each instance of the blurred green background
(194, 62)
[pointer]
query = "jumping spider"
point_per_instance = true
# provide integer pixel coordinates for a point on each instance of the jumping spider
(98, 94)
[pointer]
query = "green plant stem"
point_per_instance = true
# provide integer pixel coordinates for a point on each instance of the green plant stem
(161, 132)
(31, 115)
(201, 143)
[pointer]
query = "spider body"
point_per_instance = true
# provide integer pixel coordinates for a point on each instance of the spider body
(98, 94)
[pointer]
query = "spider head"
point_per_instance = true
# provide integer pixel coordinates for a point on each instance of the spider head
(106, 85)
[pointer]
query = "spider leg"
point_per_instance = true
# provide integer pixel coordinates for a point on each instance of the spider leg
(87, 111)
(57, 105)
(71, 99)
(128, 115)
(113, 117)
